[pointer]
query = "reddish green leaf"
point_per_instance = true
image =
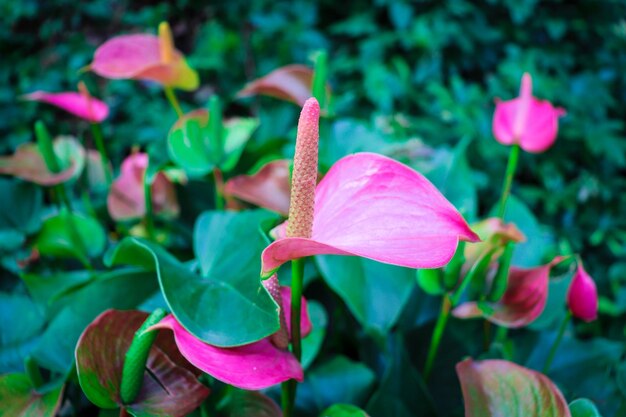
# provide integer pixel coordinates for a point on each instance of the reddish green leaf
(18, 398)
(170, 387)
(240, 403)
(498, 388)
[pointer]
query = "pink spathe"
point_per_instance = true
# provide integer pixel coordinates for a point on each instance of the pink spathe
(582, 296)
(81, 105)
(372, 206)
(527, 121)
(254, 366)
(126, 199)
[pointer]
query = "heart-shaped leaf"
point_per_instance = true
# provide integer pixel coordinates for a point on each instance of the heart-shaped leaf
(495, 388)
(169, 388)
(240, 403)
(22, 324)
(374, 292)
(19, 398)
(71, 235)
(20, 212)
(343, 410)
(225, 305)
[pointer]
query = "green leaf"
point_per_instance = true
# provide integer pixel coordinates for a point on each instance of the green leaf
(337, 380)
(19, 398)
(343, 410)
(374, 292)
(240, 403)
(169, 387)
(431, 281)
(238, 133)
(46, 289)
(313, 342)
(502, 388)
(583, 407)
(122, 289)
(20, 212)
(226, 305)
(70, 235)
(22, 323)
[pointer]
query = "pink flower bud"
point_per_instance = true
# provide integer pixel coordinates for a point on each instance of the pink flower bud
(582, 297)
(304, 177)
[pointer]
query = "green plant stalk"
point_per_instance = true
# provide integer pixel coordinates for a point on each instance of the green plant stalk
(557, 342)
(171, 97)
(149, 215)
(320, 75)
(96, 131)
(216, 127)
(297, 283)
(46, 148)
(33, 371)
(508, 179)
(137, 356)
(440, 326)
(219, 185)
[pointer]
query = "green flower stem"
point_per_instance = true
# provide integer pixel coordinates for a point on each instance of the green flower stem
(137, 356)
(96, 131)
(33, 371)
(297, 282)
(320, 74)
(508, 179)
(171, 97)
(216, 127)
(219, 186)
(557, 342)
(440, 326)
(46, 148)
(149, 215)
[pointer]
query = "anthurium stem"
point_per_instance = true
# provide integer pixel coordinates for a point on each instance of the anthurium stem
(557, 342)
(320, 75)
(171, 97)
(149, 216)
(96, 131)
(137, 357)
(46, 148)
(440, 326)
(219, 187)
(508, 179)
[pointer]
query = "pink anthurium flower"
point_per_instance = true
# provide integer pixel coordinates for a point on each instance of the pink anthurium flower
(145, 57)
(526, 121)
(367, 205)
(126, 199)
(268, 187)
(582, 296)
(291, 83)
(80, 104)
(254, 366)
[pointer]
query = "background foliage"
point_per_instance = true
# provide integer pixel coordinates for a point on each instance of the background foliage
(415, 78)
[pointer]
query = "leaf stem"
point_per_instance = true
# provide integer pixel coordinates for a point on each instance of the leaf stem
(149, 215)
(297, 283)
(171, 97)
(508, 179)
(440, 326)
(96, 131)
(219, 188)
(557, 342)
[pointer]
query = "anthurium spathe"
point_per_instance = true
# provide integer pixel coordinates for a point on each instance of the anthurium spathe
(582, 296)
(145, 57)
(80, 104)
(291, 83)
(367, 205)
(253, 366)
(126, 199)
(526, 121)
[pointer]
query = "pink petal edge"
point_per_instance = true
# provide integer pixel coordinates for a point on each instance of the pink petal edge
(87, 108)
(372, 206)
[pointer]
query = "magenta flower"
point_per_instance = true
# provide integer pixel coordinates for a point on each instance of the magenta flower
(126, 199)
(367, 205)
(582, 296)
(145, 57)
(80, 104)
(526, 121)
(254, 366)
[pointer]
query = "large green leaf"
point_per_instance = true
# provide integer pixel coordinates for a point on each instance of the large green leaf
(71, 235)
(169, 387)
(18, 398)
(494, 388)
(123, 289)
(240, 403)
(226, 305)
(22, 323)
(46, 289)
(20, 212)
(374, 292)
(313, 342)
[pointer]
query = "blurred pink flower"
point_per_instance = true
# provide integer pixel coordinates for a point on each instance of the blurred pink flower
(126, 199)
(254, 366)
(290, 83)
(145, 57)
(367, 205)
(526, 121)
(582, 296)
(80, 104)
